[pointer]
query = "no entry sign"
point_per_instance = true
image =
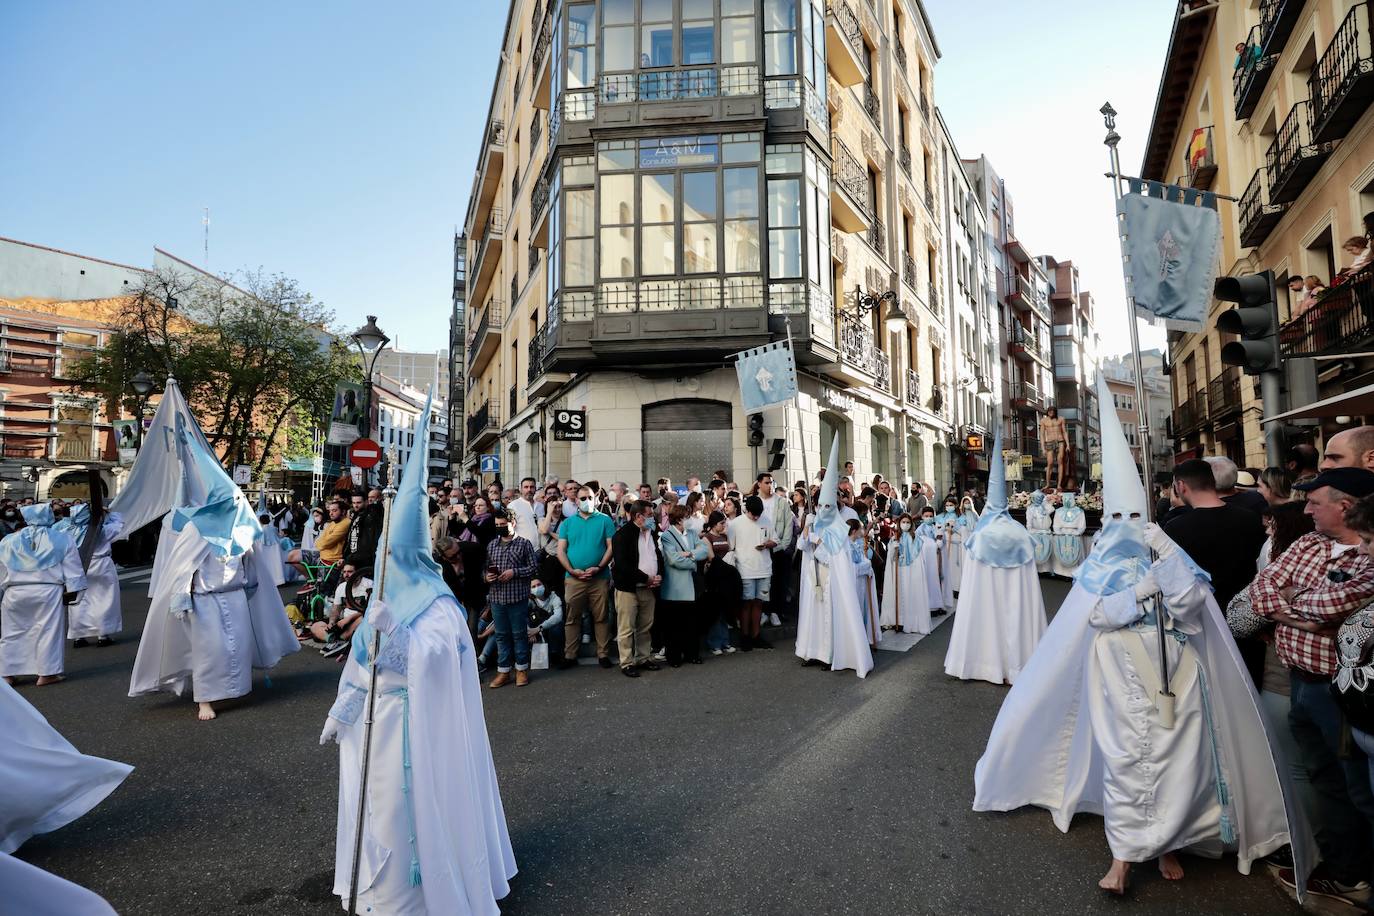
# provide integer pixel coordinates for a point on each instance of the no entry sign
(364, 453)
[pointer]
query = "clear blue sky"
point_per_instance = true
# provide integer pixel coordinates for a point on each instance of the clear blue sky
(335, 141)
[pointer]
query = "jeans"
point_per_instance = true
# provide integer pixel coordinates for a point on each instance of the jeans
(1344, 811)
(512, 622)
(1365, 742)
(718, 637)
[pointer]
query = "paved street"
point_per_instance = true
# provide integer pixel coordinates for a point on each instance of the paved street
(745, 785)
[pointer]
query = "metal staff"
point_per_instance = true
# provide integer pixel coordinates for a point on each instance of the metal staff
(1166, 697)
(374, 650)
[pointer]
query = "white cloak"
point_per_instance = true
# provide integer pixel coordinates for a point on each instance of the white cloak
(1039, 522)
(868, 600)
(33, 619)
(211, 621)
(270, 547)
(830, 624)
(1078, 733)
(47, 782)
(1000, 620)
(906, 597)
(461, 844)
(99, 612)
(932, 556)
(32, 891)
(1069, 549)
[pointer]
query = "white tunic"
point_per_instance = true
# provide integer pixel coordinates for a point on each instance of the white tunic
(1039, 521)
(99, 612)
(450, 825)
(1000, 620)
(1069, 550)
(906, 597)
(47, 782)
(33, 619)
(830, 625)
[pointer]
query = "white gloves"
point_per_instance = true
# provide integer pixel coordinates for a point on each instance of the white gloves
(1160, 542)
(1147, 586)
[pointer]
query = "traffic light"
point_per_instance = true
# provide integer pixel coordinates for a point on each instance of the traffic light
(775, 454)
(756, 429)
(1255, 318)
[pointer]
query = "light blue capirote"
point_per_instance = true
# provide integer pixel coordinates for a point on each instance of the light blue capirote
(413, 580)
(37, 546)
(828, 524)
(210, 499)
(998, 539)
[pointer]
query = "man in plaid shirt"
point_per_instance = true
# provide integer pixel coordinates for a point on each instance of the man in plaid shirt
(510, 566)
(1308, 592)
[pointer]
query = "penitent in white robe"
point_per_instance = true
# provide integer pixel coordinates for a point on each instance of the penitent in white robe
(1079, 732)
(830, 624)
(46, 782)
(906, 597)
(33, 892)
(932, 556)
(33, 619)
(1069, 549)
(428, 714)
(1039, 521)
(1001, 618)
(272, 556)
(99, 612)
(211, 621)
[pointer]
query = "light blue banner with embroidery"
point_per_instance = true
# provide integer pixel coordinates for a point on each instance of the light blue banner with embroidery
(767, 376)
(1169, 243)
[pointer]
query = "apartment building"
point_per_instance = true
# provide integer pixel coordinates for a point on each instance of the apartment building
(1284, 127)
(1120, 372)
(457, 355)
(1075, 361)
(664, 183)
(421, 369)
(399, 406)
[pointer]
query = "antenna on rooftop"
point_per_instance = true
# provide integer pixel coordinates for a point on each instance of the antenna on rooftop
(206, 221)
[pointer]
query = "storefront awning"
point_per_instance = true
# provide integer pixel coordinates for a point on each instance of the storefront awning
(1350, 404)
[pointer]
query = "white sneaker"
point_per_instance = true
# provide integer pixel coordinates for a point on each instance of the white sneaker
(774, 620)
(661, 655)
(717, 652)
(730, 650)
(586, 639)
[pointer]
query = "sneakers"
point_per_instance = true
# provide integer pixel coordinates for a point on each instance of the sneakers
(774, 620)
(586, 639)
(730, 650)
(104, 641)
(1353, 894)
(661, 655)
(717, 651)
(338, 647)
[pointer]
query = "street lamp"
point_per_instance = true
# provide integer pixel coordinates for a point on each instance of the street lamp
(370, 340)
(143, 384)
(896, 317)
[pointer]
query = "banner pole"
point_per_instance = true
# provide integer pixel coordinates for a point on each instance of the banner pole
(801, 420)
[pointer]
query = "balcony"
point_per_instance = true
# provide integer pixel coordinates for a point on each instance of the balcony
(1223, 393)
(539, 209)
(542, 72)
(925, 106)
(1342, 321)
(930, 198)
(877, 237)
(1017, 251)
(1277, 18)
(849, 205)
(489, 169)
(485, 338)
(861, 362)
(873, 106)
(1258, 216)
(913, 388)
(1202, 167)
(844, 45)
(1248, 81)
(1024, 346)
(1025, 296)
(542, 379)
(679, 85)
(1026, 397)
(490, 242)
(1342, 83)
(933, 298)
(904, 159)
(484, 425)
(909, 270)
(1294, 157)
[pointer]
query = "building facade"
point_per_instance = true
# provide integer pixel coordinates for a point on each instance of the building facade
(417, 368)
(1120, 372)
(663, 184)
(1075, 359)
(399, 407)
(1285, 128)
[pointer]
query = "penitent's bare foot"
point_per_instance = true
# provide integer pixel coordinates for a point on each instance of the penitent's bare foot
(1117, 877)
(207, 712)
(1170, 867)
(47, 679)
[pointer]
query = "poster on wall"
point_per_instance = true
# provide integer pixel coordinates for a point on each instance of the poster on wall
(126, 440)
(346, 419)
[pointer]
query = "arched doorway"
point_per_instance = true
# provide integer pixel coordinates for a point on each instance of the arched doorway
(915, 459)
(832, 425)
(880, 445)
(685, 437)
(940, 473)
(534, 458)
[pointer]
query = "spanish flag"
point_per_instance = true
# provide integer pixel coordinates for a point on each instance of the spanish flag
(1197, 147)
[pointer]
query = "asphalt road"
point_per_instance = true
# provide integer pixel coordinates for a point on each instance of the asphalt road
(747, 785)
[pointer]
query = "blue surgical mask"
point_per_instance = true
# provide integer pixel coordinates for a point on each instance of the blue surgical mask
(650, 523)
(537, 591)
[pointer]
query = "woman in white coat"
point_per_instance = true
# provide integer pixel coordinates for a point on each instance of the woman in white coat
(99, 614)
(906, 598)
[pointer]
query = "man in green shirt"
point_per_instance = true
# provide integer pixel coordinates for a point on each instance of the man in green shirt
(584, 549)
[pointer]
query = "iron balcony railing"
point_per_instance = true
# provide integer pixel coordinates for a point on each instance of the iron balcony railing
(1024, 394)
(1342, 321)
(1293, 156)
(872, 105)
(1202, 168)
(533, 259)
(484, 421)
(1277, 18)
(904, 159)
(1192, 413)
(541, 44)
(913, 387)
(676, 85)
(1348, 62)
(1247, 80)
(930, 199)
(925, 106)
(851, 177)
(513, 401)
(899, 50)
(877, 235)
(1257, 215)
(541, 348)
(496, 133)
(933, 295)
(539, 198)
(848, 23)
(536, 132)
(492, 316)
(1223, 392)
(857, 348)
(908, 270)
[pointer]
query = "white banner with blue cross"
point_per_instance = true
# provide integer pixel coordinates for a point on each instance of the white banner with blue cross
(767, 376)
(1170, 237)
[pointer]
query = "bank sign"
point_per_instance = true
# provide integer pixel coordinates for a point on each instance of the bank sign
(570, 426)
(674, 152)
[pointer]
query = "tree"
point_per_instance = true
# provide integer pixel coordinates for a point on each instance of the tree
(248, 356)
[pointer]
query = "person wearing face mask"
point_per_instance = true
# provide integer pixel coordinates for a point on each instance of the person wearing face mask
(678, 602)
(510, 568)
(584, 550)
(636, 570)
(1001, 608)
(932, 537)
(546, 615)
(906, 595)
(39, 568)
(862, 556)
(1088, 727)
(959, 532)
(10, 520)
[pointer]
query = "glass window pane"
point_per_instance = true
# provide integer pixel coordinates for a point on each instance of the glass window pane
(618, 252)
(656, 198)
(657, 249)
(581, 23)
(657, 47)
(656, 10)
(620, 48)
(737, 41)
(780, 53)
(698, 9)
(579, 262)
(784, 253)
(698, 196)
(779, 14)
(742, 151)
(615, 190)
(784, 202)
(741, 192)
(736, 7)
(615, 159)
(783, 159)
(617, 11)
(698, 43)
(581, 67)
(742, 246)
(580, 212)
(698, 248)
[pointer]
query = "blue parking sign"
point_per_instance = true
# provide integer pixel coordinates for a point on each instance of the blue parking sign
(490, 464)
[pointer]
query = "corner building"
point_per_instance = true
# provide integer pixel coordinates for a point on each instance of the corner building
(663, 183)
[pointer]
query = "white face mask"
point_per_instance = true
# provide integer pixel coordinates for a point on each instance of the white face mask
(906, 526)
(587, 506)
(611, 497)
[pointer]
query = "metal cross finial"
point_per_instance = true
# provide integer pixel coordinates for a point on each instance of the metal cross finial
(1108, 115)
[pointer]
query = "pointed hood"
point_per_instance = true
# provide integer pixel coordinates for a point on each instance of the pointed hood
(209, 498)
(1122, 488)
(830, 486)
(38, 545)
(998, 539)
(407, 577)
(828, 524)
